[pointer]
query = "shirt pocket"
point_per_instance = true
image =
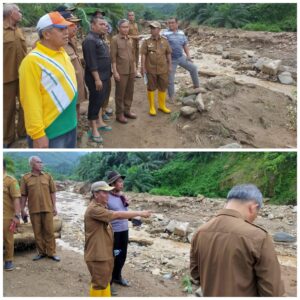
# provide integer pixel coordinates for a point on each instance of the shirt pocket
(44, 182)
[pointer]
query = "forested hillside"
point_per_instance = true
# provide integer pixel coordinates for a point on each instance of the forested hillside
(255, 16)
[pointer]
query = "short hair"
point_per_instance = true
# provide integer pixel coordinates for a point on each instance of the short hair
(40, 33)
(8, 8)
(245, 193)
(130, 11)
(121, 22)
(31, 158)
(94, 19)
(173, 18)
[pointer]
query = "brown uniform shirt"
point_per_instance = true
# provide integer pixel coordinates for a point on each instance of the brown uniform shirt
(156, 51)
(134, 30)
(98, 233)
(14, 50)
(232, 257)
(38, 189)
(11, 191)
(123, 54)
(72, 52)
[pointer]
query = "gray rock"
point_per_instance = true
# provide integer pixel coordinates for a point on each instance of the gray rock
(190, 97)
(286, 78)
(232, 146)
(295, 209)
(219, 49)
(190, 237)
(225, 55)
(181, 228)
(171, 226)
(187, 111)
(272, 67)
(199, 103)
(283, 237)
(199, 292)
(167, 276)
(193, 92)
(260, 62)
(270, 216)
(225, 84)
(188, 102)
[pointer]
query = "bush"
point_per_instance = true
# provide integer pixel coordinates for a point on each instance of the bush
(262, 27)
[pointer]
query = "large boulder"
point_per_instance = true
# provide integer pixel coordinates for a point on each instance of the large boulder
(268, 66)
(225, 84)
(178, 228)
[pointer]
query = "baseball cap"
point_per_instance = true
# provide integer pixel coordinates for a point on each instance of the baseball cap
(155, 24)
(52, 19)
(101, 186)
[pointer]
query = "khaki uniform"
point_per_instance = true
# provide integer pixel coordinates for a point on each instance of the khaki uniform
(38, 190)
(234, 258)
(134, 31)
(122, 53)
(11, 191)
(98, 249)
(72, 52)
(14, 50)
(157, 68)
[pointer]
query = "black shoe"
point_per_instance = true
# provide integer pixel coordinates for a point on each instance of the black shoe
(122, 282)
(55, 257)
(38, 257)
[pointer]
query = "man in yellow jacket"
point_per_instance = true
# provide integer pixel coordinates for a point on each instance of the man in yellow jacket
(48, 87)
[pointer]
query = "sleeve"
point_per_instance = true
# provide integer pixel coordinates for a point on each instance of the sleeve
(169, 50)
(144, 48)
(194, 268)
(24, 191)
(267, 269)
(101, 214)
(113, 50)
(52, 185)
(184, 40)
(31, 97)
(14, 189)
(89, 50)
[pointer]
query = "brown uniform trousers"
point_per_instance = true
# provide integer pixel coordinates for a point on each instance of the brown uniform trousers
(14, 50)
(122, 53)
(98, 249)
(11, 191)
(234, 258)
(38, 189)
(134, 31)
(157, 68)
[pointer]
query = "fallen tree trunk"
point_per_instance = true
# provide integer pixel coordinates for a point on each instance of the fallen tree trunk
(24, 238)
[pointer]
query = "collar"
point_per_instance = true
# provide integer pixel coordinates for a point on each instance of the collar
(35, 175)
(156, 39)
(125, 37)
(231, 213)
(95, 34)
(99, 204)
(46, 50)
(6, 25)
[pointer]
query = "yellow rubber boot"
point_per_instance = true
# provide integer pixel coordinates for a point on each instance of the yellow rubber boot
(100, 293)
(162, 102)
(152, 110)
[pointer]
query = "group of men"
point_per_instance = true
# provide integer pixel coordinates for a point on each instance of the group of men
(51, 80)
(229, 256)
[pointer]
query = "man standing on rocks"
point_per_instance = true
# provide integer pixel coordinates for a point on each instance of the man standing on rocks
(178, 42)
(11, 216)
(14, 50)
(156, 64)
(231, 256)
(39, 189)
(98, 250)
(124, 71)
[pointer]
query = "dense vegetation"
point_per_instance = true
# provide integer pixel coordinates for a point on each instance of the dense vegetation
(255, 16)
(60, 164)
(176, 173)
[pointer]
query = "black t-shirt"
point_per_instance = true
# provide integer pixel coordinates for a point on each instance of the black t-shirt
(96, 55)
